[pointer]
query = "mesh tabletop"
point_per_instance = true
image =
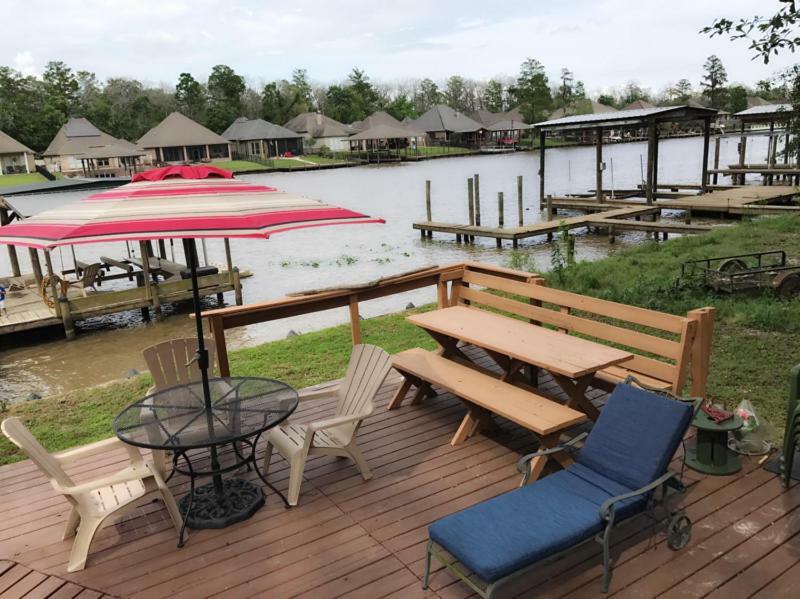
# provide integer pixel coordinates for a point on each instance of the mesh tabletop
(178, 418)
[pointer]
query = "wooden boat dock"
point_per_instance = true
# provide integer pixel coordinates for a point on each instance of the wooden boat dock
(625, 213)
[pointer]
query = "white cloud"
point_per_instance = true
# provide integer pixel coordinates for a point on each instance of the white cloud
(24, 63)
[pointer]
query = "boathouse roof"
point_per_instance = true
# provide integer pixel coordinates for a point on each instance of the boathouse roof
(766, 113)
(179, 130)
(637, 116)
(244, 129)
(386, 131)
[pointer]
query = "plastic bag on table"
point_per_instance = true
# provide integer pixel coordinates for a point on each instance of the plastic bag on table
(752, 438)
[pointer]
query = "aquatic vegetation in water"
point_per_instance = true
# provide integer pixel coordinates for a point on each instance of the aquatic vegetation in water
(346, 260)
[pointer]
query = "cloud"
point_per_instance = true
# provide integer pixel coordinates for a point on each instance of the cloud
(24, 63)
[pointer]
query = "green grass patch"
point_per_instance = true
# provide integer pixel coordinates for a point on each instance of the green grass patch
(21, 179)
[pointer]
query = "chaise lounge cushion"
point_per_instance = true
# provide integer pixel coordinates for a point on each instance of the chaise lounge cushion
(630, 446)
(511, 531)
(635, 436)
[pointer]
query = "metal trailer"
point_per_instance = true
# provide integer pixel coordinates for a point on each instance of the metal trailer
(759, 270)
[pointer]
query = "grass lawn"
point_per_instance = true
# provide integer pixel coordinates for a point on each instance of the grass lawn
(239, 166)
(756, 340)
(22, 179)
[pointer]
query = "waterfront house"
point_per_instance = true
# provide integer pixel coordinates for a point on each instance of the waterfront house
(319, 130)
(260, 139)
(179, 139)
(81, 149)
(445, 125)
(14, 156)
(379, 117)
(488, 118)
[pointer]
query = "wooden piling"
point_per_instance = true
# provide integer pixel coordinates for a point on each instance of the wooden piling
(5, 219)
(549, 207)
(519, 200)
(500, 210)
(706, 137)
(237, 286)
(36, 266)
(428, 212)
(611, 234)
(651, 143)
(599, 163)
(53, 282)
(716, 159)
(477, 199)
(471, 200)
(148, 290)
(541, 166)
(66, 318)
(742, 151)
(687, 216)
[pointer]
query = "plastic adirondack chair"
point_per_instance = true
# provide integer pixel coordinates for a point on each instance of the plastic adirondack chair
(87, 279)
(336, 436)
(95, 502)
(173, 363)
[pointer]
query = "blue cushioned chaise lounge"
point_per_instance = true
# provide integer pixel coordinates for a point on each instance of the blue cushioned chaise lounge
(616, 475)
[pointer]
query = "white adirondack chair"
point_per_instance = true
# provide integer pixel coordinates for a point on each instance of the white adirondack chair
(172, 363)
(366, 372)
(95, 502)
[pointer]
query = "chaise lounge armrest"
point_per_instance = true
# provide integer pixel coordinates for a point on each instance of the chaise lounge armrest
(317, 392)
(668, 478)
(522, 463)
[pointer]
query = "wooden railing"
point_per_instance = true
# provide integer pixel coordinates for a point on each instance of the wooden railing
(223, 319)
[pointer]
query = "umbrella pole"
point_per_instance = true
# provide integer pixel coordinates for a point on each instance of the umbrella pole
(202, 359)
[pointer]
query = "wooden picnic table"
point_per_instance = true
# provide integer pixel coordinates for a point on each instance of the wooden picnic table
(513, 344)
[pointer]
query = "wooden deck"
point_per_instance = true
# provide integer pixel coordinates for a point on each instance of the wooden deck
(356, 539)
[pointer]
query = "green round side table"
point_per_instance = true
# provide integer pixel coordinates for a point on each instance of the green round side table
(710, 454)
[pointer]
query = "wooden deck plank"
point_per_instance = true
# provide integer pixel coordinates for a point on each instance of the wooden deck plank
(357, 539)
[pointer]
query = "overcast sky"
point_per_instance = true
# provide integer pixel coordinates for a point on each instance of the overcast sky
(605, 43)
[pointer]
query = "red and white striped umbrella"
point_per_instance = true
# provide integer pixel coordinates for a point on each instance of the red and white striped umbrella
(163, 204)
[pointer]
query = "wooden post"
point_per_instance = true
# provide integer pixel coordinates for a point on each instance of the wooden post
(471, 200)
(66, 318)
(145, 255)
(549, 206)
(519, 201)
(687, 216)
(428, 212)
(237, 286)
(500, 210)
(786, 147)
(53, 284)
(651, 142)
(701, 349)
(716, 158)
(228, 259)
(704, 173)
(218, 332)
(477, 199)
(656, 147)
(611, 234)
(772, 150)
(162, 249)
(742, 150)
(36, 266)
(541, 167)
(355, 323)
(599, 163)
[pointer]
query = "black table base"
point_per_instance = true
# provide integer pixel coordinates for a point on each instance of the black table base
(205, 508)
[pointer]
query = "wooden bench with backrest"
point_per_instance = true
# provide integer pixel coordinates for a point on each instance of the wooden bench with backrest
(668, 349)
(484, 393)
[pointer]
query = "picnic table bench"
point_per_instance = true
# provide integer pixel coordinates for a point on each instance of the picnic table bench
(485, 394)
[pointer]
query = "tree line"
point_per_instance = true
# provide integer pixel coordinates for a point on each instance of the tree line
(32, 109)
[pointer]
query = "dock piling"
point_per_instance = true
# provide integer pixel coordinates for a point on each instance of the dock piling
(519, 200)
(500, 210)
(477, 199)
(716, 159)
(471, 200)
(36, 266)
(237, 286)
(428, 212)
(66, 318)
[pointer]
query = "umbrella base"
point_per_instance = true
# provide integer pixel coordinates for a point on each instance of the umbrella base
(205, 508)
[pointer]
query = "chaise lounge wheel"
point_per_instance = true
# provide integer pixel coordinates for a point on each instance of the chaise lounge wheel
(679, 531)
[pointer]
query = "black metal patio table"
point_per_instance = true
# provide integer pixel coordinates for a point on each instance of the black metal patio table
(179, 420)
